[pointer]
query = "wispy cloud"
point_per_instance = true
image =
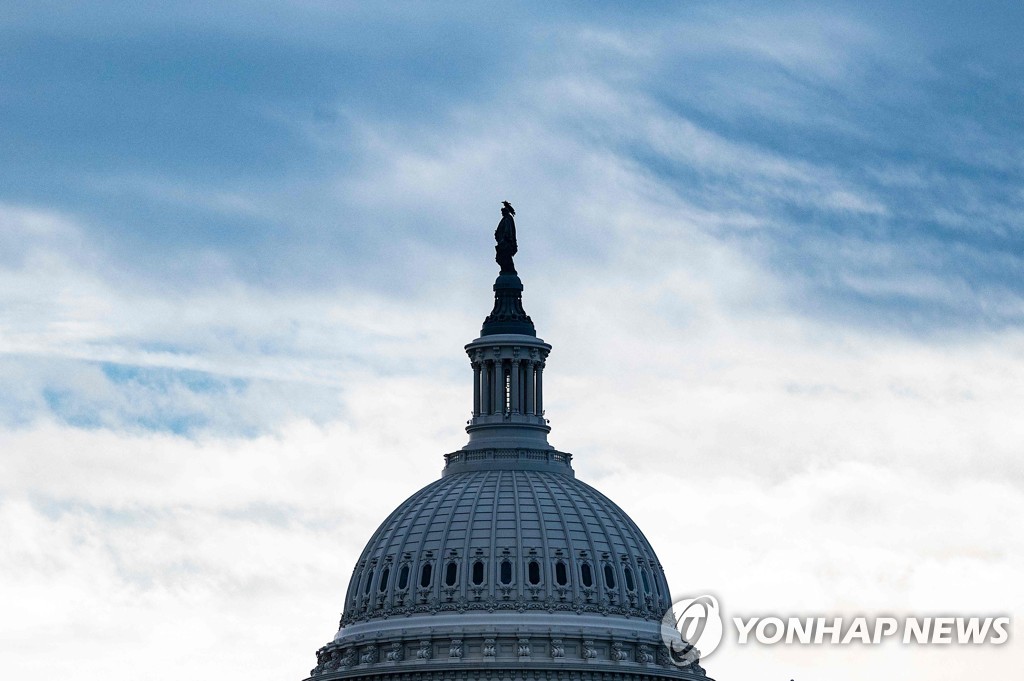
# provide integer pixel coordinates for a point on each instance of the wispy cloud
(777, 252)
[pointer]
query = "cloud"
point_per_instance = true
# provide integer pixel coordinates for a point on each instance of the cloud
(777, 254)
(296, 204)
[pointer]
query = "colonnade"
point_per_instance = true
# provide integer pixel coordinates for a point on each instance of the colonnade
(508, 386)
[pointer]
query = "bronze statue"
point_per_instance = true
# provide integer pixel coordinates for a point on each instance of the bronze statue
(505, 236)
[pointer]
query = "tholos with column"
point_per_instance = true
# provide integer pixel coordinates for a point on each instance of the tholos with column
(504, 386)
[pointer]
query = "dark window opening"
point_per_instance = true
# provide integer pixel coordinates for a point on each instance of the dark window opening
(384, 574)
(505, 572)
(533, 572)
(646, 581)
(508, 391)
(369, 582)
(628, 572)
(561, 574)
(425, 575)
(451, 574)
(586, 576)
(478, 573)
(609, 576)
(403, 577)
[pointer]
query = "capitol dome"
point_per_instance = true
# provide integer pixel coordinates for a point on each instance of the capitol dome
(508, 567)
(506, 540)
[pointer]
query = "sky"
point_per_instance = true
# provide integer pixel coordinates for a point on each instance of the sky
(777, 248)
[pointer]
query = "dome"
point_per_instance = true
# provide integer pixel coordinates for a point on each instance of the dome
(507, 567)
(507, 540)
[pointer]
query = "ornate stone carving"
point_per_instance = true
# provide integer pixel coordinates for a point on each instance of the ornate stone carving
(690, 655)
(455, 649)
(507, 599)
(323, 656)
(490, 649)
(557, 649)
(618, 652)
(523, 647)
(369, 655)
(644, 654)
(424, 651)
(396, 653)
(508, 314)
(589, 651)
(326, 661)
(349, 658)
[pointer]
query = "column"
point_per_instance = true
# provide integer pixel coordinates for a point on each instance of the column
(476, 388)
(513, 379)
(530, 390)
(499, 387)
(523, 366)
(485, 387)
(540, 388)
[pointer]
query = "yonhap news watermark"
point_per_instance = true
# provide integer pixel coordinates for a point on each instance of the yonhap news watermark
(694, 627)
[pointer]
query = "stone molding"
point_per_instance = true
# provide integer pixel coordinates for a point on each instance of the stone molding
(583, 654)
(494, 605)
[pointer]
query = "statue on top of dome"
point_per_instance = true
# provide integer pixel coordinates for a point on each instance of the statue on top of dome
(505, 236)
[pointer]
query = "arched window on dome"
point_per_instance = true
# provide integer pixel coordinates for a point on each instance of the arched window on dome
(403, 577)
(505, 572)
(561, 573)
(426, 573)
(646, 580)
(384, 574)
(609, 576)
(478, 573)
(533, 572)
(630, 582)
(369, 582)
(586, 575)
(451, 573)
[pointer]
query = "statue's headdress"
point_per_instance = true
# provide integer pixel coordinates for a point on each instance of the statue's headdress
(509, 207)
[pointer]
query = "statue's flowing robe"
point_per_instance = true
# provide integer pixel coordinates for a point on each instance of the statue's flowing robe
(506, 247)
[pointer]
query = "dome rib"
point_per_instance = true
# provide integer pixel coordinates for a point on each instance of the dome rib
(571, 550)
(518, 570)
(546, 577)
(537, 515)
(468, 545)
(623, 589)
(494, 521)
(442, 558)
(596, 559)
(365, 567)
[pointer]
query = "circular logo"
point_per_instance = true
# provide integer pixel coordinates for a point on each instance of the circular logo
(692, 627)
